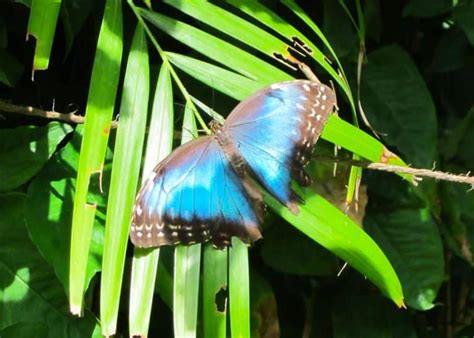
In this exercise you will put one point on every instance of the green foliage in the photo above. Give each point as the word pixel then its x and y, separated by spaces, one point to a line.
pixel 405 66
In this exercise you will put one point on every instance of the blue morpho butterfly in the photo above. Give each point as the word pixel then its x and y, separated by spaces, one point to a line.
pixel 203 190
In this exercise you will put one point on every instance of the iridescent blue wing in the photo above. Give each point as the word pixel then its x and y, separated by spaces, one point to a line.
pixel 276 129
pixel 193 195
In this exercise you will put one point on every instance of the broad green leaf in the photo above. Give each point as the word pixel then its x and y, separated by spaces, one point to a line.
pixel 50 197
pixel 339 29
pixel 264 310
pixel 29 288
pixel 427 8
pixel 145 262
pixel 25 330
pixel 73 16
pixel 24 150
pixel 369 316
pixel 124 180
pixel 463 15
pixel 99 110
pixel 42 25
pixel 289 251
pixel 450 54
pixel 399 106
pixel 459 217
pixel 404 227
pixel 10 68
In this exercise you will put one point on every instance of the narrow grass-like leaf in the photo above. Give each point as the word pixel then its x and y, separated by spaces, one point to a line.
pixel 99 110
pixel 239 290
pixel 217 49
pixel 232 25
pixel 223 80
pixel 124 180
pixel 355 140
pixel 270 19
pixel 214 293
pixel 327 225
pixel 145 262
pixel 187 264
pixel 42 25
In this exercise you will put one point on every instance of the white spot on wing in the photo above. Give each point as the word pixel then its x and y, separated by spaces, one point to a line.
pixel 306 87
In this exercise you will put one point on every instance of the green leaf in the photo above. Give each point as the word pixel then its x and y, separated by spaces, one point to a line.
pixel 239 289
pixel 232 25
pixel 459 215
pixel 399 105
pixel 145 262
pixel 29 288
pixel 328 226
pixel 287 250
pixel 427 8
pixel 50 197
pixel 186 290
pixel 10 68
pixel 339 29
pixel 125 172
pixel 187 263
pixel 368 315
pixel 24 150
pixel 215 289
pixel 42 25
pixel 99 110
pixel 223 80
pixel 404 227
pixel 462 15
pixel 25 330
pixel 263 304
pixel 73 15
pixel 217 49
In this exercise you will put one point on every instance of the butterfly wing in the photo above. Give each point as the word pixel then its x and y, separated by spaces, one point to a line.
pixel 193 195
pixel 276 129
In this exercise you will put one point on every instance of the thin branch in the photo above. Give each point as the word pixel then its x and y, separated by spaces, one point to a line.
pixel 71 117
pixel 416 172
pixel 32 111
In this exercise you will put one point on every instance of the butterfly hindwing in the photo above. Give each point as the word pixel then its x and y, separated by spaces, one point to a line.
pixel 275 131
pixel 193 196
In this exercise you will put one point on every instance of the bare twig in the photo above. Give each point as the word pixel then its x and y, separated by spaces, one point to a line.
pixel 71 117
pixel 32 111
pixel 416 172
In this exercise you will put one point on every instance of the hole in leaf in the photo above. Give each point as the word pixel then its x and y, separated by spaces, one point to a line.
pixel 221 299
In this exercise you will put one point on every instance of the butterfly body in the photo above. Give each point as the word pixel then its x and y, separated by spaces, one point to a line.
pixel 204 190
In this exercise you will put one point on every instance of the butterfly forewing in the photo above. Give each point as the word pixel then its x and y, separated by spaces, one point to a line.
pixel 275 131
pixel 193 196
